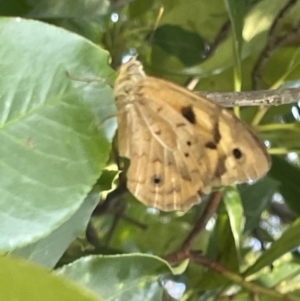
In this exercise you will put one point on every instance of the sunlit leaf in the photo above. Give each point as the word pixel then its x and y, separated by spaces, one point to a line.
pixel 52 148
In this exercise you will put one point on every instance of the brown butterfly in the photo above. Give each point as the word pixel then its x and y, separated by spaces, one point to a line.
pixel 180 144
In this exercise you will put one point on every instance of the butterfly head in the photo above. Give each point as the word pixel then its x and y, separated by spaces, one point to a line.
pixel 132 70
pixel 130 74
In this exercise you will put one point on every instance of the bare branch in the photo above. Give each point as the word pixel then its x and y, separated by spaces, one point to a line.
pixel 254 98
pixel 185 250
pixel 222 35
pixel 238 279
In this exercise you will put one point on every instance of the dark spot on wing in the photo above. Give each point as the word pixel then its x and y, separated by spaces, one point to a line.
pixel 180 124
pixel 189 143
pixel 237 153
pixel 221 168
pixel 189 114
pixel 211 145
pixel 186 155
pixel 216 133
pixel 157 180
pixel 157 132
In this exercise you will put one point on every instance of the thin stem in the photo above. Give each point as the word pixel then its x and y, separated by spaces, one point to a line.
pixel 279 151
pixel 278 126
pixel 250 286
pixel 184 251
pixel 259 116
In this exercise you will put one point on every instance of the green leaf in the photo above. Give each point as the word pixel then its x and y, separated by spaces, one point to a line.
pixel 235 212
pixel 227 252
pixel 223 242
pixel 14 7
pixel 106 179
pixel 289 177
pixel 281 275
pixel 80 9
pixel 236 11
pixel 139 7
pixel 276 113
pixel 283 66
pixel 289 240
pixel 50 249
pixel 88 18
pixel 52 148
pixel 120 277
pixel 284 136
pixel 23 281
pixel 194 17
pixel 172 229
pixel 256 198
pixel 257 23
pixel 179 42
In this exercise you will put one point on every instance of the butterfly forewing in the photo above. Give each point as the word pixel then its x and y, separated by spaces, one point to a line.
pixel 241 155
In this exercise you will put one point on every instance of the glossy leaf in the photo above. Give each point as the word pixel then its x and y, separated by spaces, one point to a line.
pixel 256 198
pixel 21 280
pixel 121 277
pixel 178 42
pixel 236 11
pixel 52 148
pixel 47 251
pixel 287 242
pixel 288 176
pixel 235 211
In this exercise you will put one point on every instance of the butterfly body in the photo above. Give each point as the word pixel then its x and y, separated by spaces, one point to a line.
pixel 180 144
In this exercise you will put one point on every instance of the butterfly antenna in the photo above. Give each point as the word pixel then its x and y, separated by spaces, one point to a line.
pixel 90 80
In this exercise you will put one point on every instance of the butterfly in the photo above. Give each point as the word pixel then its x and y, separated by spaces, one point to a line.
pixel 180 144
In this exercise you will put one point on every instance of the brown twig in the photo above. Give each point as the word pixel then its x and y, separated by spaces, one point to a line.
pixel 272 44
pixel 283 212
pixel 92 235
pixel 222 35
pixel 236 278
pixel 120 215
pixel 254 98
pixel 290 38
pixel 187 245
pixel 132 221
pixel 112 229
pixel 210 209
pixel 113 204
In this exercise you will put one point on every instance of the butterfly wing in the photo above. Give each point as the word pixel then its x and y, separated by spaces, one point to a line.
pixel 179 143
pixel 241 156
pixel 159 173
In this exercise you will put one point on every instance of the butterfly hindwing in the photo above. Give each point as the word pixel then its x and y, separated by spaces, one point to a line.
pixel 158 174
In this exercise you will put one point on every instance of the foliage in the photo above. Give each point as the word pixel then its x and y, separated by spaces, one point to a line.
pixel 56 137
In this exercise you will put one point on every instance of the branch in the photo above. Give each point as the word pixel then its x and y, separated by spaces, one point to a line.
pixel 221 36
pixel 250 286
pixel 210 209
pixel 254 98
pixel 185 250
